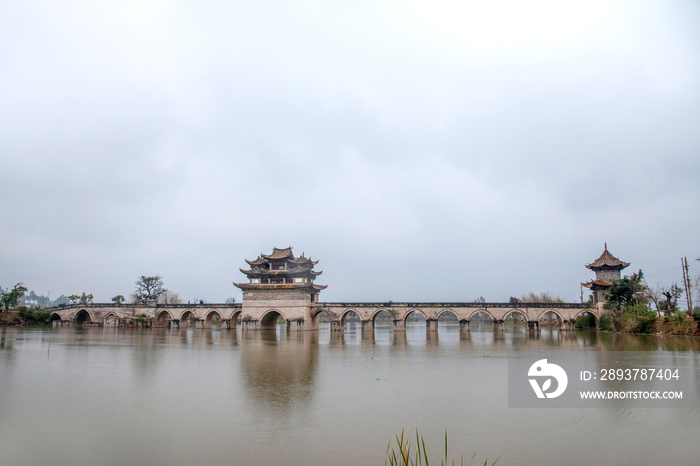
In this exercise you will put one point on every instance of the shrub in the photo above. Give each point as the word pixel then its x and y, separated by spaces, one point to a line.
pixel 606 323
pixel 585 321
pixel 33 315
pixel 638 318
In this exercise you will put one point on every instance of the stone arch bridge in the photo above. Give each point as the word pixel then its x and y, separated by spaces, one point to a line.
pixel 399 313
pixel 307 317
pixel 158 315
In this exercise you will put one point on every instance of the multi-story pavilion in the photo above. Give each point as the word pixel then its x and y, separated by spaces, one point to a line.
pixel 282 285
pixel 607 268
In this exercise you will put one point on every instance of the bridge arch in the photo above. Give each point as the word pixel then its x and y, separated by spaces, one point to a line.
pixel 345 314
pixel 270 317
pixel 110 320
pixel 212 317
pixel 376 313
pixel 411 311
pixel 481 311
pixel 446 313
pixel 188 318
pixel 560 318
pixel 512 312
pixel 55 316
pixel 316 316
pixel 162 318
pixel 234 318
pixel 81 317
pixel 587 313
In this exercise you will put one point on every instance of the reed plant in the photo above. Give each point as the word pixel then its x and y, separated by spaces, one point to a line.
pixel 410 454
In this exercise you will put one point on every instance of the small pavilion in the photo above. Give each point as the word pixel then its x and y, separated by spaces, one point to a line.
pixel 607 268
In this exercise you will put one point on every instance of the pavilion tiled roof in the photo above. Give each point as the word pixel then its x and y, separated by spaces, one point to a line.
pixel 280 286
pixel 607 260
pixel 278 253
pixel 292 271
pixel 597 282
pixel 258 261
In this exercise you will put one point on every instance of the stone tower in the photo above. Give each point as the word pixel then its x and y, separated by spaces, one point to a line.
pixel 280 284
pixel 607 268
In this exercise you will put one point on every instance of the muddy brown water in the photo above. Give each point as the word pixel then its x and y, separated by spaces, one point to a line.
pixel 110 396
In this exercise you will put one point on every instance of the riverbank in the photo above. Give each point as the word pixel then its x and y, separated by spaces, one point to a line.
pixel 24 316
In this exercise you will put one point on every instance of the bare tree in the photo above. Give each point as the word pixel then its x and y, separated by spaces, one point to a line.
pixel 671 293
pixel 545 297
pixel 654 294
pixel 149 288
pixel 169 298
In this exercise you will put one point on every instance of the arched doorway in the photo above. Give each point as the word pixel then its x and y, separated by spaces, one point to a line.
pixel 82 317
pixel 271 320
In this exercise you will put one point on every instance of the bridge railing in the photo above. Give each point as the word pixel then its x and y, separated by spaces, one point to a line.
pixel 144 305
pixel 456 304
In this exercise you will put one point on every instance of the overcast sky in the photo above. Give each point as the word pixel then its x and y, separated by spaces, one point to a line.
pixel 422 151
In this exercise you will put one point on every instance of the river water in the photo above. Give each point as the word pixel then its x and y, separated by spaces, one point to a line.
pixel 110 396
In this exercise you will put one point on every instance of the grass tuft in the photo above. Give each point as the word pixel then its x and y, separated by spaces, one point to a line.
pixel 405 453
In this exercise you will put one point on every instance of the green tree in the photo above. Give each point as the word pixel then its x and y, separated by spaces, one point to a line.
pixel 149 288
pixel 11 298
pixel 85 298
pixel 74 298
pixel 118 299
pixel 625 293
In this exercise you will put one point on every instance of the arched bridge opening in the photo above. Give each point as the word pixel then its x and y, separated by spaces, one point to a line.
pixel 271 320
pixel 213 320
pixel 82 317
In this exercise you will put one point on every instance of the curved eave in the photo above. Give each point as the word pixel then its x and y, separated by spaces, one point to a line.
pixel 607 260
pixel 299 260
pixel 257 261
pixel 280 286
pixel 267 273
pixel 597 284
pixel 616 266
